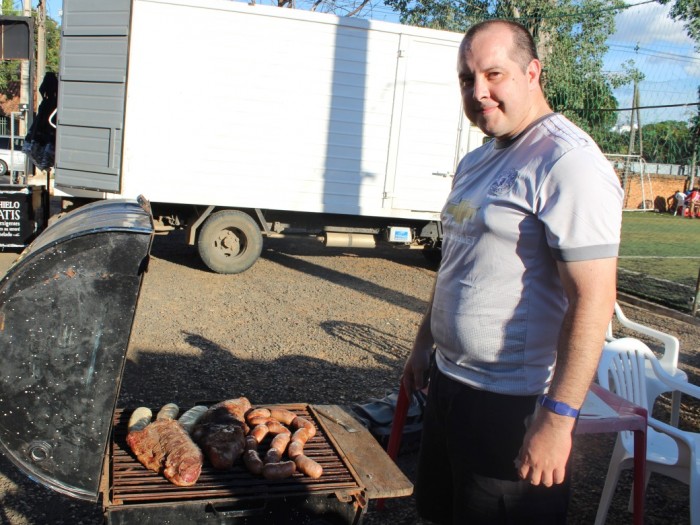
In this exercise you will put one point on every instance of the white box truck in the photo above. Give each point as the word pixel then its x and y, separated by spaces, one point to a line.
pixel 239 122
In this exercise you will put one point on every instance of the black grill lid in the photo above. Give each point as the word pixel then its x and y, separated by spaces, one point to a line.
pixel 66 310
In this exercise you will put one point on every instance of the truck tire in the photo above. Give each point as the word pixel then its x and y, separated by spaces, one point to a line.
pixel 229 242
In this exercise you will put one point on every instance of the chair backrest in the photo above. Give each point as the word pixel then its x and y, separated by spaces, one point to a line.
pixel 622 369
pixel 669 358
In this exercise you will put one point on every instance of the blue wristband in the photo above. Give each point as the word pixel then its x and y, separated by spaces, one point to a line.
pixel 557 406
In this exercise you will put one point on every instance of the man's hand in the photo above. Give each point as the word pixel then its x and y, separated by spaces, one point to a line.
pixel 416 367
pixel 590 289
pixel 546 448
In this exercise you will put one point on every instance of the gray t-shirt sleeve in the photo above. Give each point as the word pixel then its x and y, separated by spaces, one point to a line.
pixel 580 205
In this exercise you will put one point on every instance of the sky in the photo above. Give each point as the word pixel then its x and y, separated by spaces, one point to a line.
pixel 663 52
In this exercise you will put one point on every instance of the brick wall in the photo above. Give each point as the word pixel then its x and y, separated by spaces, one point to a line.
pixel 656 194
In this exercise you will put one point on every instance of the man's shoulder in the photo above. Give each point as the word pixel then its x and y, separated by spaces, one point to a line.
pixel 561 130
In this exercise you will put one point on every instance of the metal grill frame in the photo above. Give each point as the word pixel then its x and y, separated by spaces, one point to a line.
pixel 128 485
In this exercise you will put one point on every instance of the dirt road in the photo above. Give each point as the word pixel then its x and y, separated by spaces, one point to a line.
pixel 305 324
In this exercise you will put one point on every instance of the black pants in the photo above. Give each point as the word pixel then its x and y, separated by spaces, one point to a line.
pixel 466 473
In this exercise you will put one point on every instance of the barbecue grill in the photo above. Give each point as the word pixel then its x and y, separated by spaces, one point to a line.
pixel 66 310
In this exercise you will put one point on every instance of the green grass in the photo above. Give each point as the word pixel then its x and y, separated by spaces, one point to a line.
pixel 658 248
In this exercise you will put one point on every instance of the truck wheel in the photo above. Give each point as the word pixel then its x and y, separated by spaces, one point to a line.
pixel 3 167
pixel 229 242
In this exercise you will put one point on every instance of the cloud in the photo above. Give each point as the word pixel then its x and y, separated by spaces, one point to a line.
pixel 647 23
pixel 693 69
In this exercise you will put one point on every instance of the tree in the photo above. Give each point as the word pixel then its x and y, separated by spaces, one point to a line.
pixel 10 69
pixel 688 12
pixel 668 142
pixel 570 37
pixel 53 44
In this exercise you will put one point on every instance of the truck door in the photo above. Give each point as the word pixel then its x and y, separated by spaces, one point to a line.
pixel 92 81
pixel 432 133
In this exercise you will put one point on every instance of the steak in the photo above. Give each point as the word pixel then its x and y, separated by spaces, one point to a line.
pixel 163 446
pixel 221 432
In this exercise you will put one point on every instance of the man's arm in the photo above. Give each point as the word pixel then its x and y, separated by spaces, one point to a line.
pixel 590 287
pixel 419 359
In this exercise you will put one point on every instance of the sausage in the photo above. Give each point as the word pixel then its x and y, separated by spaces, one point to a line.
pixel 300 422
pixel 252 461
pixel 140 418
pixel 280 470
pixel 251 443
pixel 280 442
pixel 296 448
pixel 259 432
pixel 190 418
pixel 302 435
pixel 277 428
pixel 168 411
pixel 258 420
pixel 255 413
pixel 273 456
pixel 299 439
pixel 273 425
pixel 282 415
pixel 308 466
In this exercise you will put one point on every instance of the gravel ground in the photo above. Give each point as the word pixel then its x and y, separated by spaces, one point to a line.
pixel 315 325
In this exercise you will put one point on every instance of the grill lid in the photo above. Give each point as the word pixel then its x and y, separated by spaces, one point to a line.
pixel 66 311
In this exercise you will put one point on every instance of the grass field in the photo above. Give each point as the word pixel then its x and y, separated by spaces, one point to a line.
pixel 660 257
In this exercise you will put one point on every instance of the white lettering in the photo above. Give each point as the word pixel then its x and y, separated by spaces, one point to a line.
pixel 10 215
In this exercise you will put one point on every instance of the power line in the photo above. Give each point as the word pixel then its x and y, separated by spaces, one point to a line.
pixel 686 104
pixel 654 53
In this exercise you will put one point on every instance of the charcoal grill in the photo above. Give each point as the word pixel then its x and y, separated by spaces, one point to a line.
pixel 66 310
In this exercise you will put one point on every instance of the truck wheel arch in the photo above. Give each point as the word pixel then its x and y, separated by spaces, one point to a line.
pixel 229 241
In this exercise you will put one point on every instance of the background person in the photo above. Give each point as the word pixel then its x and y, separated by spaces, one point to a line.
pixel 692 202
pixel 531 235
pixel 680 202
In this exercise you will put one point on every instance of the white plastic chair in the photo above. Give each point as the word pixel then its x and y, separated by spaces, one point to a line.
pixel 670 451
pixel 668 361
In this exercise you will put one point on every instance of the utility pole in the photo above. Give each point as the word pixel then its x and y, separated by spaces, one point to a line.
pixel 25 88
pixel 635 96
pixel 40 49
pixel 639 118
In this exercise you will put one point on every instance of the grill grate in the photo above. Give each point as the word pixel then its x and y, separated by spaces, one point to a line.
pixel 132 483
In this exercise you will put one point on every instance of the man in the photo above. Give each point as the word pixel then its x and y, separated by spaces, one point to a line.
pixel 680 203
pixel 693 203
pixel 531 234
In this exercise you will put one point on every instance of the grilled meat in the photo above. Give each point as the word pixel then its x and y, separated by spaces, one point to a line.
pixel 165 447
pixel 221 432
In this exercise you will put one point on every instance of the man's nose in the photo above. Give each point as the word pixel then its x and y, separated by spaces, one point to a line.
pixel 480 89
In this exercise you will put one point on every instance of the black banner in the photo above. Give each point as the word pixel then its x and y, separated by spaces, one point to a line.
pixel 16 213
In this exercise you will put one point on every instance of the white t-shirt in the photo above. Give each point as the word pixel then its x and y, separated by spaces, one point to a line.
pixel 514 210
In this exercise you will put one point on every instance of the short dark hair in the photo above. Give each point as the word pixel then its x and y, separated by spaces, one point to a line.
pixel 524 49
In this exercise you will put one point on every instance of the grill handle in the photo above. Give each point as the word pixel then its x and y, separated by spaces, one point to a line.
pixel 226 511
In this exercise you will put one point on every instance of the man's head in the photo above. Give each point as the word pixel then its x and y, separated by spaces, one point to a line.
pixel 499 75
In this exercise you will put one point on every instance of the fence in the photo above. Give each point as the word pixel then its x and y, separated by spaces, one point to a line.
pixel 650 187
pixel 5 125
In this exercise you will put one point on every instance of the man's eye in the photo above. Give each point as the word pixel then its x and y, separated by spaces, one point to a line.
pixel 466 82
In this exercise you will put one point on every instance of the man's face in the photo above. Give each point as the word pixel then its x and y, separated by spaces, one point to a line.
pixel 498 96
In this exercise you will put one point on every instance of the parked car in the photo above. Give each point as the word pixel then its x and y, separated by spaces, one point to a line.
pixel 16 160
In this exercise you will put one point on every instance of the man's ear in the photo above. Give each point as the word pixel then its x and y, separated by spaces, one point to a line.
pixel 534 70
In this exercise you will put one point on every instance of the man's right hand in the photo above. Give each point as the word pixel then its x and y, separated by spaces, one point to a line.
pixel 416 368
pixel 415 371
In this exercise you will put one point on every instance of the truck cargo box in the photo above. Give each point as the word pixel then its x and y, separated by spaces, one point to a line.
pixel 233 106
